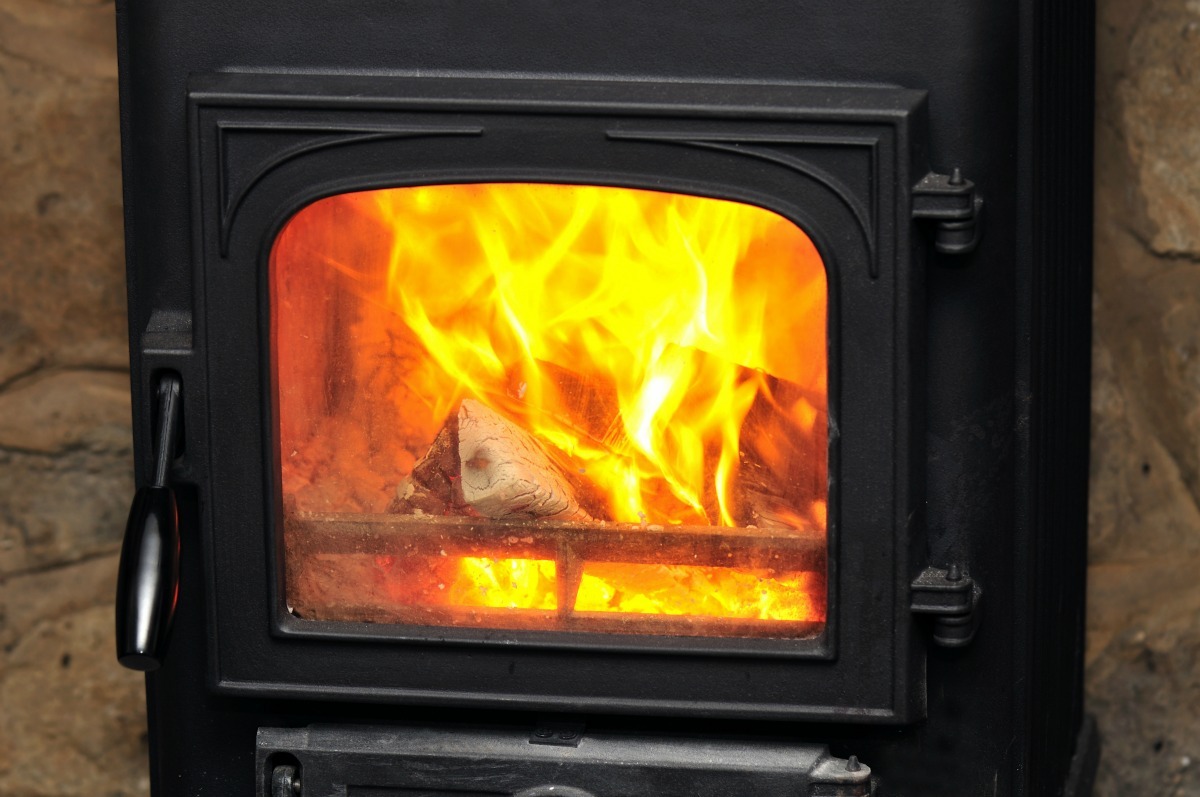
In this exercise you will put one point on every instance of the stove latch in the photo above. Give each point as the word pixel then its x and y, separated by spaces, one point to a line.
pixel 148 578
pixel 951 597
pixel 951 201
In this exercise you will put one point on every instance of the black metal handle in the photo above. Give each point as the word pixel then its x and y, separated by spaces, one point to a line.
pixel 148 579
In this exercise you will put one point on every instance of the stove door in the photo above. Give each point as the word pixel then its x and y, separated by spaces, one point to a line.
pixel 560 393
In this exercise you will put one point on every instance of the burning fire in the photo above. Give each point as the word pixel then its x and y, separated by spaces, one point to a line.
pixel 472 582
pixel 697 591
pixel 505 583
pixel 667 351
pixel 656 306
pixel 624 588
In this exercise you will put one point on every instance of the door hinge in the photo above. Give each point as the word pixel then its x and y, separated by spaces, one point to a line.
pixel 835 777
pixel 951 202
pixel 951 597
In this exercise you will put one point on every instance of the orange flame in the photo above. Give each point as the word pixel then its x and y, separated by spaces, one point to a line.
pixel 655 303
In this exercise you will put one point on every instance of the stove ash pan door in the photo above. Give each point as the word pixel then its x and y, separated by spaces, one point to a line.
pixel 565 393
pixel 359 761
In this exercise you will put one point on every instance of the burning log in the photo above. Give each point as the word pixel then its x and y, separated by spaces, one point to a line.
pixel 783 468
pixel 481 463
pixel 506 473
pixel 588 408
pixel 763 510
pixel 430 488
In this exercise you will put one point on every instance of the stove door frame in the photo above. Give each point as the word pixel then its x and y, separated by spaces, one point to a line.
pixel 838 161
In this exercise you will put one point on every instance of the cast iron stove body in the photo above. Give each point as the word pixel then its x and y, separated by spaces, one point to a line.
pixel 607 398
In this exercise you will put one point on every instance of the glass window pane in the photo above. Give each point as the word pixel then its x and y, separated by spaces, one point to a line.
pixel 553 407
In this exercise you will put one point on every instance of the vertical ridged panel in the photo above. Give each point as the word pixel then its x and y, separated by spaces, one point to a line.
pixel 1059 348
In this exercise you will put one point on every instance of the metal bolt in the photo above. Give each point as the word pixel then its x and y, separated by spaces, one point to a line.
pixel 567 736
pixel 543 733
pixel 954 573
pixel 956 178
pixel 852 765
pixel 296 785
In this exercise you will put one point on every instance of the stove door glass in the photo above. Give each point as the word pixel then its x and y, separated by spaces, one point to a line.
pixel 552 407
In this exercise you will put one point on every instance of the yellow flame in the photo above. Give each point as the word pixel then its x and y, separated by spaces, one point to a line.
pixel 697 591
pixel 656 303
pixel 505 583
pixel 633 588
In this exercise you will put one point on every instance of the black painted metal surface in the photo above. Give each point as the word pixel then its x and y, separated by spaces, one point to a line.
pixel 971 379
pixel 267 145
pixel 450 761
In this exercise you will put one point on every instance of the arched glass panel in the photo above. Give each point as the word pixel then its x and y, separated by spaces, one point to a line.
pixel 552 407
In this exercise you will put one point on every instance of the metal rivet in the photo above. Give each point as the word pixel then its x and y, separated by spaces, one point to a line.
pixel 543 733
pixel 852 765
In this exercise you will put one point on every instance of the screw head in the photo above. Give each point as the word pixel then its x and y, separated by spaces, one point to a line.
pixel 543 733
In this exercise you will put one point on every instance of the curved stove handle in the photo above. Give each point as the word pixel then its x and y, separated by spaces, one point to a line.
pixel 148 579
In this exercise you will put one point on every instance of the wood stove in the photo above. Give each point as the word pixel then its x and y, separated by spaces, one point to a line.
pixel 605 399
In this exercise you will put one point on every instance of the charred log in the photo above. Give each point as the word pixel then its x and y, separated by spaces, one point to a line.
pixel 481 463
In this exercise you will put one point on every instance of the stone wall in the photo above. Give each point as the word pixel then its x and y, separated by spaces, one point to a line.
pixel 72 722
pixel 1143 653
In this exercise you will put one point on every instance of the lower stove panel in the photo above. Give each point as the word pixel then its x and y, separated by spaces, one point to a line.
pixel 552 760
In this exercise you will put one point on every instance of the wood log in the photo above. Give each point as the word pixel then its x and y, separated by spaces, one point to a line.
pixel 771 513
pixel 481 463
pixel 593 410
pixel 506 473
pixel 429 488
pixel 783 467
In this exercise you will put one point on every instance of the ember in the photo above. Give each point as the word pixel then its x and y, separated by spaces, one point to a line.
pixel 505 583
pixel 697 591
